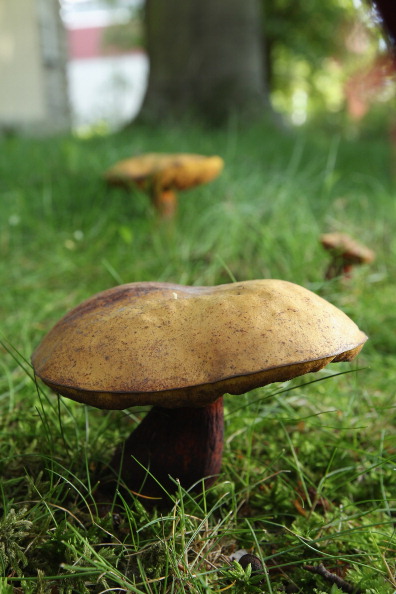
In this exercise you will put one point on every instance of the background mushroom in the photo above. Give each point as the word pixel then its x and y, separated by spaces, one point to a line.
pixel 180 349
pixel 162 175
pixel 345 253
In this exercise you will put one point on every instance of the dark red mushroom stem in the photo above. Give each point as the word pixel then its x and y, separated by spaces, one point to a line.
pixel 339 266
pixel 182 443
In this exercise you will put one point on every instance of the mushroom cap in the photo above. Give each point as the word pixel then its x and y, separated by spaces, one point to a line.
pixel 174 346
pixel 177 171
pixel 347 248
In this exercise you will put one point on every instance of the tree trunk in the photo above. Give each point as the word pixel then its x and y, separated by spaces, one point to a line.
pixel 386 9
pixel 205 59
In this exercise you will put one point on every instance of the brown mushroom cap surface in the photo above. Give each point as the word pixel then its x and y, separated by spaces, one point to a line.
pixel 177 346
pixel 347 248
pixel 177 171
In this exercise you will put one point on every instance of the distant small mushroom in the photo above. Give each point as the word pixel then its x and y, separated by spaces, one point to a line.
pixel 162 175
pixel 345 253
pixel 180 348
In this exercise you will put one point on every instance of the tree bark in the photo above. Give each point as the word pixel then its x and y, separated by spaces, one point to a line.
pixel 387 12
pixel 205 59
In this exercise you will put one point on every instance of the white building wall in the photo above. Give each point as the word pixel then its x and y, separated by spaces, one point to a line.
pixel 33 88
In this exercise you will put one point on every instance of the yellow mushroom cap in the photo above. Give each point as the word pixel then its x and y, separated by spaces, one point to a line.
pixel 171 171
pixel 175 346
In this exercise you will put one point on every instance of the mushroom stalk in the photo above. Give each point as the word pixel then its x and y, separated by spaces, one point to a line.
pixel 183 443
pixel 164 202
pixel 338 268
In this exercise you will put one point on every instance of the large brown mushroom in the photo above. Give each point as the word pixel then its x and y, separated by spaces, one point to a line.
pixel 345 252
pixel 180 348
pixel 162 175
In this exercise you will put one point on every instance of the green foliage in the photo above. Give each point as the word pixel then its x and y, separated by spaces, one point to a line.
pixel 310 53
pixel 14 529
pixel 307 30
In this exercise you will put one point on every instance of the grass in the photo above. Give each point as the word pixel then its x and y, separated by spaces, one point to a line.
pixel 309 466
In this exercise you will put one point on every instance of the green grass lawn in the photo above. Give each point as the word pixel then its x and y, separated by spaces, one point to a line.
pixel 309 471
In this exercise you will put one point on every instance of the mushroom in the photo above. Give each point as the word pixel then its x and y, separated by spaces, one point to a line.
pixel 161 175
pixel 345 253
pixel 180 349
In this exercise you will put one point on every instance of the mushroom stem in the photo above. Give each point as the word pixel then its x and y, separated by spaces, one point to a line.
pixel 181 443
pixel 339 267
pixel 164 202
